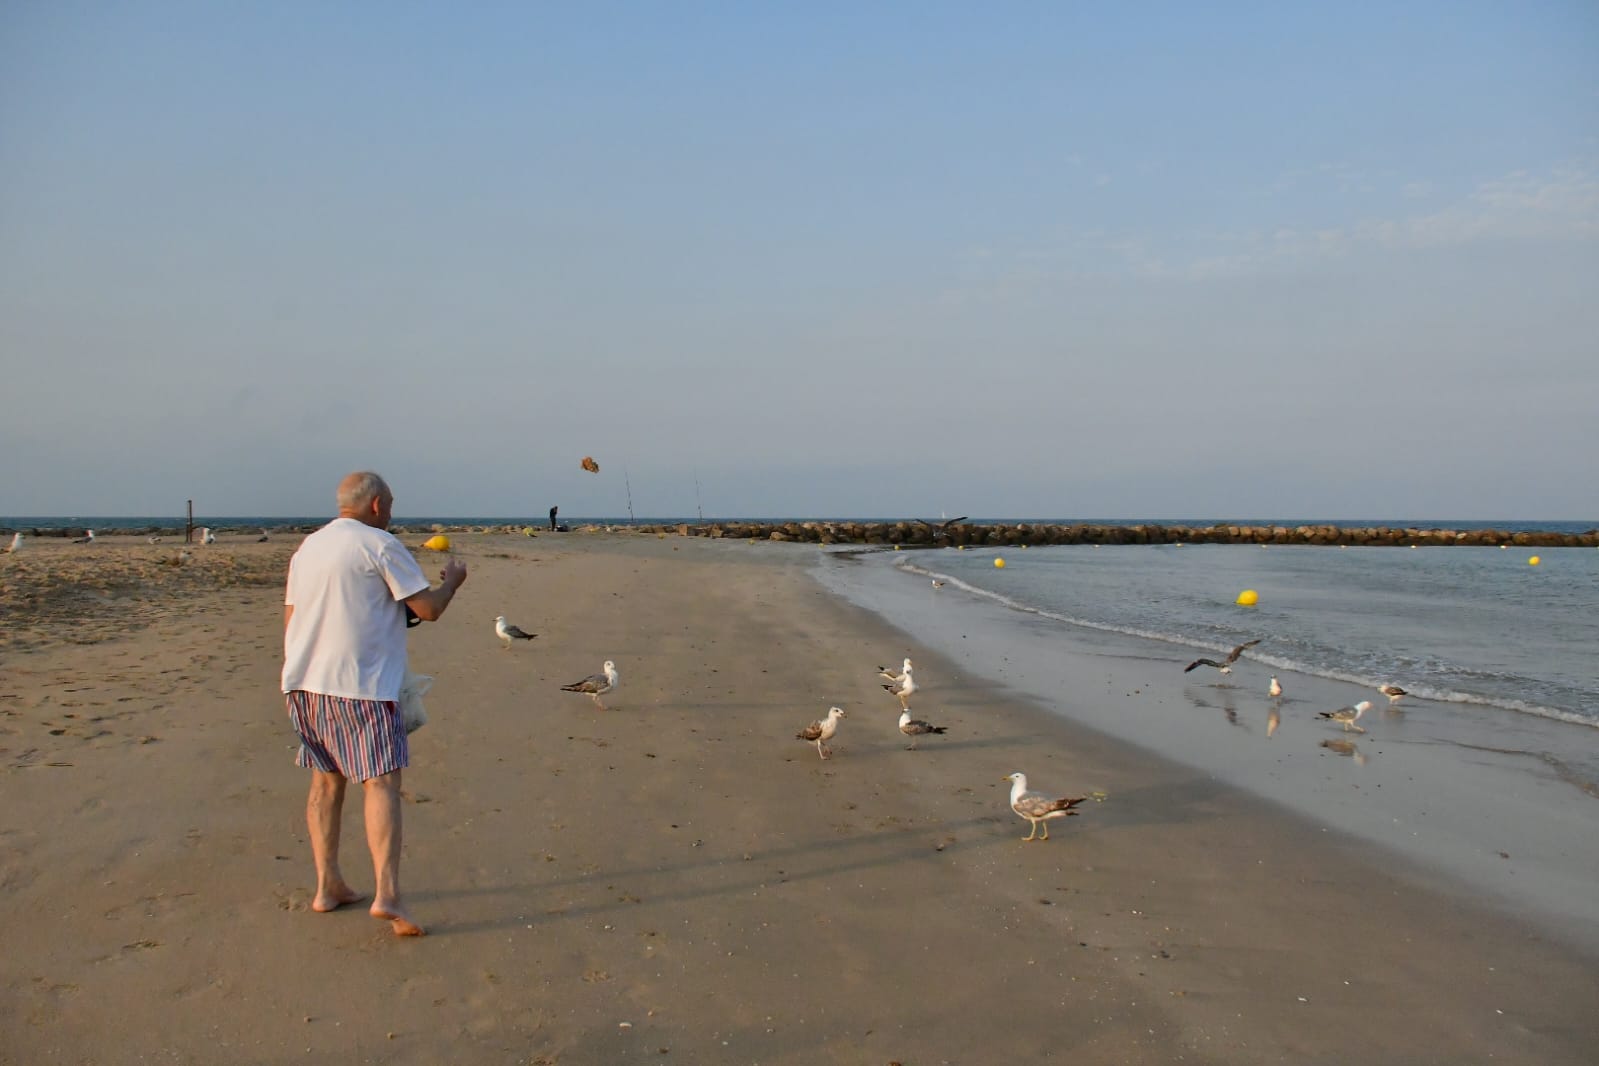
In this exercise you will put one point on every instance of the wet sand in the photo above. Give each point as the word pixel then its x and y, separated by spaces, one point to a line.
pixel 676 878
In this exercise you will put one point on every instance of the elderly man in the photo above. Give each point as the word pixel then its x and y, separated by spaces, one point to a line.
pixel 344 622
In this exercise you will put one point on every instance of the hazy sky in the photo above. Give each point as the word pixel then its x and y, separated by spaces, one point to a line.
pixel 1029 259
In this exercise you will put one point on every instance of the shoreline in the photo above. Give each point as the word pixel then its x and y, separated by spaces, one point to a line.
pixel 681 873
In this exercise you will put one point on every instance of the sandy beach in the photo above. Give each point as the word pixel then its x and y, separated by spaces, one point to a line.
pixel 677 878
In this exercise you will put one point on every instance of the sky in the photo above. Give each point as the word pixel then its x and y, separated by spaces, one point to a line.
pixel 1234 260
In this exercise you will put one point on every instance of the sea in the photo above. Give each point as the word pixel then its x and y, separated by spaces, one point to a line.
pixel 1485 777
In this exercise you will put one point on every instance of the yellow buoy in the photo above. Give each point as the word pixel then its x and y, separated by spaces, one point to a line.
pixel 439 543
pixel 1247 598
pixel 1534 561
pixel 999 564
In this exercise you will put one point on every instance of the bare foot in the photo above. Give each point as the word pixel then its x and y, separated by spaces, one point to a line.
pixel 398 920
pixel 335 897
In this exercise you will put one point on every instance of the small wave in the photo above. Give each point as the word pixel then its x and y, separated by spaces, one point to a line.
pixel 1420 692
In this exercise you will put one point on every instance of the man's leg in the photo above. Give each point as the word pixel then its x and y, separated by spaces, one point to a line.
pixel 383 837
pixel 323 813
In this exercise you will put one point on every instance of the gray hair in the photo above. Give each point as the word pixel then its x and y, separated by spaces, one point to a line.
pixel 359 489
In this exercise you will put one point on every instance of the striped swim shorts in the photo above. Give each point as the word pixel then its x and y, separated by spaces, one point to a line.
pixel 358 739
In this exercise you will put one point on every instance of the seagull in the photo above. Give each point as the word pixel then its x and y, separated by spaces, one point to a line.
pixel 890 675
pixel 903 687
pixel 1347 716
pixel 915 727
pixel 937 584
pixel 1275 689
pixel 155 540
pixel 87 538
pixel 596 685
pixel 16 542
pixel 1226 665
pixel 941 530
pixel 184 555
pixel 821 731
pixel 1393 692
pixel 508 632
pixel 206 536
pixel 1036 807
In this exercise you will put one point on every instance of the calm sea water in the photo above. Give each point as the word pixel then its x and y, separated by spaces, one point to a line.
pixel 1452 625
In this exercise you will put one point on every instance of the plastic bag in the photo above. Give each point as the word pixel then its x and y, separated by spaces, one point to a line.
pixel 412 689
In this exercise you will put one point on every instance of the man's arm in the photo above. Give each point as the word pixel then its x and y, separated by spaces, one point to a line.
pixel 288 613
pixel 429 604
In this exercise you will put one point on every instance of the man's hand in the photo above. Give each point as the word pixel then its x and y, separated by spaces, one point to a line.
pixel 454 573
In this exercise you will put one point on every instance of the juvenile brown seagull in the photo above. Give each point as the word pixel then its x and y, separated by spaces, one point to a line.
pixel 915 727
pixel 1226 665
pixel 1036 807
pixel 821 731
pixel 1347 716
pixel 1393 692
pixel 596 685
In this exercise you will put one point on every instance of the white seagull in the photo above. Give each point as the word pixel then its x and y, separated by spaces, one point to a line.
pixel 508 632
pixel 821 731
pixel 206 536
pixel 903 687
pixel 888 673
pixel 1275 689
pixel 915 727
pixel 596 685
pixel 1226 665
pixel 1347 716
pixel 1393 692
pixel 16 542
pixel 1037 807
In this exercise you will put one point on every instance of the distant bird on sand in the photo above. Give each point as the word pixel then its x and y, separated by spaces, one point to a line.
pixel 16 542
pixel 1393 692
pixel 890 674
pixel 937 584
pixel 1037 807
pixel 821 731
pixel 155 540
pixel 1275 689
pixel 1226 665
pixel 1347 716
pixel 596 685
pixel 508 632
pixel 206 536
pixel 915 727
pixel 903 687
pixel 87 538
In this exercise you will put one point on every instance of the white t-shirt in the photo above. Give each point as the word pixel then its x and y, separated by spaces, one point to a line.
pixel 347 584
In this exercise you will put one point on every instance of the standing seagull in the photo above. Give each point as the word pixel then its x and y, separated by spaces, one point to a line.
pixel 889 674
pixel 1226 665
pixel 903 687
pixel 821 731
pixel 16 542
pixel 596 685
pixel 1347 716
pixel 1036 807
pixel 508 632
pixel 1275 689
pixel 1393 692
pixel 937 584
pixel 915 727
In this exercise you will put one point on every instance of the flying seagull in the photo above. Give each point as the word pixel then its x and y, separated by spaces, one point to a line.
pixel 596 685
pixel 1036 807
pixel 1393 692
pixel 915 727
pixel 1347 716
pixel 508 632
pixel 1226 665
pixel 889 674
pixel 87 538
pixel 903 687
pixel 821 731
pixel 1275 689
pixel 941 530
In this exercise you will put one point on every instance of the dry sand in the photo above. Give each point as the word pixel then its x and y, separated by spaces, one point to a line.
pixel 676 879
